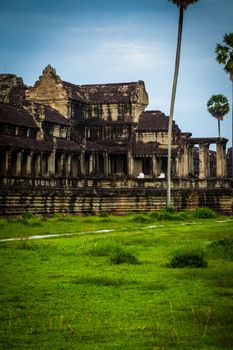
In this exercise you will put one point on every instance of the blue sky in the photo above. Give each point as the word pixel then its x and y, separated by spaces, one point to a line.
pixel 100 41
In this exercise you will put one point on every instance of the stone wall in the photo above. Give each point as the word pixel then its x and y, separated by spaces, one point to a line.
pixel 119 200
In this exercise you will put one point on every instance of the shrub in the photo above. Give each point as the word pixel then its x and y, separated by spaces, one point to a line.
pixel 104 214
pixel 123 255
pixel 221 242
pixel 141 218
pixel 102 247
pixel 170 210
pixel 27 215
pixel 221 248
pixel 188 259
pixel 117 253
pixel 204 213
pixel 154 214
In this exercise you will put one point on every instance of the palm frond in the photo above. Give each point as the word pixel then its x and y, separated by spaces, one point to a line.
pixel 218 106
pixel 183 3
pixel 228 40
pixel 224 53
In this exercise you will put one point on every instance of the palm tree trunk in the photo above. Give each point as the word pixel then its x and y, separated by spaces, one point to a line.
pixel 232 131
pixel 218 127
pixel 172 104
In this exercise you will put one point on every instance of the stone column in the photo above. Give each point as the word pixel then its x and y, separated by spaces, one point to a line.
pixel 29 163
pixel 51 163
pixel 6 162
pixel 106 164
pixel 90 164
pixel 185 160
pixel 220 160
pixel 155 168
pixel 37 164
pixel 177 164
pixel 60 164
pixel 82 163
pixel 190 156
pixel 130 164
pixel 204 167
pixel 68 165
pixel 18 163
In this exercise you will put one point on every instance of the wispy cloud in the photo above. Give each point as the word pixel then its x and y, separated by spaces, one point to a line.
pixel 138 54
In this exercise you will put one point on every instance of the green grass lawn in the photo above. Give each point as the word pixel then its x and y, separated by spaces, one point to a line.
pixel 68 292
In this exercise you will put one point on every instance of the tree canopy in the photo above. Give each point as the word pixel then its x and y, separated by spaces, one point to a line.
pixel 218 106
pixel 183 4
pixel 224 53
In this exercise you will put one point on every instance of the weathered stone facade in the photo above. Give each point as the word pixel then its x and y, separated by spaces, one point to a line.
pixel 80 148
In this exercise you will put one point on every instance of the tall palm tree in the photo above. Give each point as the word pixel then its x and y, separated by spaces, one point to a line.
pixel 218 106
pixel 224 55
pixel 182 5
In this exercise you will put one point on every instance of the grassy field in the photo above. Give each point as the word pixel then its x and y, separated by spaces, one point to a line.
pixel 118 288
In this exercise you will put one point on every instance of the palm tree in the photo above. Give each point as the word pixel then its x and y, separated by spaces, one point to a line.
pixel 224 55
pixel 218 106
pixel 182 5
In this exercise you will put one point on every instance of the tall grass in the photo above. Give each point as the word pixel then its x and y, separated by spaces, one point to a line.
pixel 115 250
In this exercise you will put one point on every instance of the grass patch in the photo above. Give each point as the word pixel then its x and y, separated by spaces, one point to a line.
pixel 188 258
pixel 115 250
pixel 221 248
pixel 204 213
pixel 64 293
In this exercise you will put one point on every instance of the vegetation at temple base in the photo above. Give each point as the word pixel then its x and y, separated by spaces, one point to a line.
pixel 159 280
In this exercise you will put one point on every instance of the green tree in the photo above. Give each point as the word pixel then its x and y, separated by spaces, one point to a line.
pixel 182 5
pixel 218 106
pixel 224 55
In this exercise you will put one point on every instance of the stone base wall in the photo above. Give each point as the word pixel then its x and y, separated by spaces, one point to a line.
pixel 117 201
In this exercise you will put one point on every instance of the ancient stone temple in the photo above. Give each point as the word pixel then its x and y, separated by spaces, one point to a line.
pixel 80 149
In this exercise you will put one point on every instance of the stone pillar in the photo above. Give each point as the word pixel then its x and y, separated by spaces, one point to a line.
pixel 29 163
pixel 18 163
pixel 190 156
pixel 97 165
pixel 220 160
pixel 51 163
pixel 68 165
pixel 155 167
pixel 177 164
pixel 204 168
pixel 130 164
pixel 37 164
pixel 60 164
pixel 106 164
pixel 6 162
pixel 82 163
pixel 185 160
pixel 90 164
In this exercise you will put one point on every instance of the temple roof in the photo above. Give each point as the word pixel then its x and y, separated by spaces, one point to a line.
pixel 32 144
pixel 68 145
pixel 206 140
pixel 154 121
pixel 103 93
pixel 54 117
pixel 16 115
pixel 145 148
pixel 25 143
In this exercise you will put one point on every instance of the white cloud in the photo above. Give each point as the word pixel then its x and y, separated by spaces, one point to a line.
pixel 136 54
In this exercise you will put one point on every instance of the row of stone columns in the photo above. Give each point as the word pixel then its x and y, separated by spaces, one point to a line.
pixel 186 163
pixel 35 163
pixel 67 164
